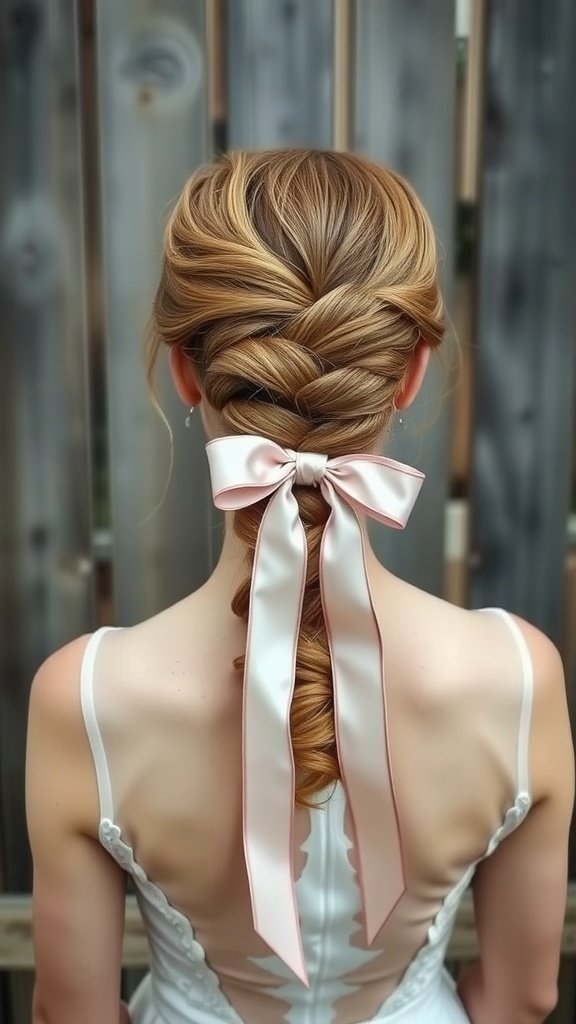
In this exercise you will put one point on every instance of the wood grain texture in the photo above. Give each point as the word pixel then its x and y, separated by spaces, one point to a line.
pixel 403 116
pixel 280 75
pixel 154 133
pixel 46 582
pixel 525 373
pixel 44 422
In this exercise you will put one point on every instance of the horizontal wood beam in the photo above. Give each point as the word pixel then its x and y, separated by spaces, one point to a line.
pixel 16 933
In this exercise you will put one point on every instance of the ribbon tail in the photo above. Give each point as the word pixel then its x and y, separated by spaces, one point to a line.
pixel 360 713
pixel 276 597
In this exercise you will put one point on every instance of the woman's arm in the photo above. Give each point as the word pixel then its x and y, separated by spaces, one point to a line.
pixel 520 892
pixel 78 889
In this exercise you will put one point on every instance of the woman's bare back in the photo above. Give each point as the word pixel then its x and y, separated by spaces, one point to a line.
pixel 169 706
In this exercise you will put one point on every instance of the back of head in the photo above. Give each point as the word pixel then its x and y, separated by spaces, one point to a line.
pixel 299 283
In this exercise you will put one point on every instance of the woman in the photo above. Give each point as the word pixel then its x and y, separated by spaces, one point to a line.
pixel 300 835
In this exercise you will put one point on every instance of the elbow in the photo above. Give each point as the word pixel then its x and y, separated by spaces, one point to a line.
pixel 41 1012
pixel 542 1004
pixel 535 1007
pixel 522 1005
pixel 39 1015
pixel 50 1010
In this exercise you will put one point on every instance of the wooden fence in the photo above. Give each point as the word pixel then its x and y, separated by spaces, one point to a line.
pixel 105 108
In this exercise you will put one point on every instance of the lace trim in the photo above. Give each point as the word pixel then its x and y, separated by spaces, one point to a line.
pixel 512 819
pixel 200 983
pixel 429 959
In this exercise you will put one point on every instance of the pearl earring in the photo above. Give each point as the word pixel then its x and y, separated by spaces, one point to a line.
pixel 188 420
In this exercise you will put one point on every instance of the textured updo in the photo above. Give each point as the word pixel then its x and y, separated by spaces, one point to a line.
pixel 299 283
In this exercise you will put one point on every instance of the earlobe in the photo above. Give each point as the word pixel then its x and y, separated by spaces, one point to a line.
pixel 184 377
pixel 414 375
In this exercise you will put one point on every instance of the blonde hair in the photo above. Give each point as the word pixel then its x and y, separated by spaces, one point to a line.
pixel 299 283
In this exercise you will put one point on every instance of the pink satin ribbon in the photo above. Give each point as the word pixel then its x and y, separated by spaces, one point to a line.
pixel 245 469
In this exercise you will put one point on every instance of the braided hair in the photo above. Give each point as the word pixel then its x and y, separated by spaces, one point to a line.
pixel 299 284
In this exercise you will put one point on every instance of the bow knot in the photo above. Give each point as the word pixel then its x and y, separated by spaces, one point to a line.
pixel 245 469
pixel 310 468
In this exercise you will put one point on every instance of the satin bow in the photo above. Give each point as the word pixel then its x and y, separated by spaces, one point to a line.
pixel 245 469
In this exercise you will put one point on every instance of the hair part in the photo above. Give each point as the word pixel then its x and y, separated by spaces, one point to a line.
pixel 299 282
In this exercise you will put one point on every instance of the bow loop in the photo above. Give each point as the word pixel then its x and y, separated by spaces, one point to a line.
pixel 376 486
pixel 244 469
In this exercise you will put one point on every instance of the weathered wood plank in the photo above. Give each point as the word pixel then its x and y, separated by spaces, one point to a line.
pixel 525 369
pixel 525 372
pixel 405 75
pixel 279 73
pixel 46 581
pixel 16 937
pixel 342 77
pixel 46 590
pixel 154 132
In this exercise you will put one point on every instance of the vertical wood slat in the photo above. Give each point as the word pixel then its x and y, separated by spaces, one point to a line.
pixel 526 334
pixel 470 123
pixel 154 131
pixel 404 108
pixel 46 579
pixel 280 73
pixel 341 86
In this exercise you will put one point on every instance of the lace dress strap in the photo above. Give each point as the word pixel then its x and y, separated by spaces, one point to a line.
pixel 91 723
pixel 527 671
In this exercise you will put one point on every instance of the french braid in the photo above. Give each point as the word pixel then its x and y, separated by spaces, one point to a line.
pixel 299 283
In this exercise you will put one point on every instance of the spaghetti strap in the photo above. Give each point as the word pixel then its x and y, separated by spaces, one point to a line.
pixel 91 723
pixel 523 761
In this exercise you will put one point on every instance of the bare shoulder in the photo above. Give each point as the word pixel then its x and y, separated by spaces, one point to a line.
pixel 474 648
pixel 485 627
pixel 496 659
pixel 552 750
pixel 54 696
pixel 449 636
pixel 185 653
pixel 544 664
pixel 58 760
pixel 548 670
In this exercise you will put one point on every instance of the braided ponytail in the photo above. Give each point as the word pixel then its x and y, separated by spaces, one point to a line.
pixel 299 283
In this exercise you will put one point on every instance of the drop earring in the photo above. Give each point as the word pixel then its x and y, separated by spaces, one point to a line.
pixel 188 420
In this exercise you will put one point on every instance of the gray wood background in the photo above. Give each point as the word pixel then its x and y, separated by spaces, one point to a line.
pixel 525 361
pixel 525 373
pixel 151 68
pixel 404 114
pixel 46 570
pixel 280 71
pixel 108 107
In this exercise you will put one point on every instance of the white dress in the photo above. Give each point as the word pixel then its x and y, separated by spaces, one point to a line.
pixel 185 986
